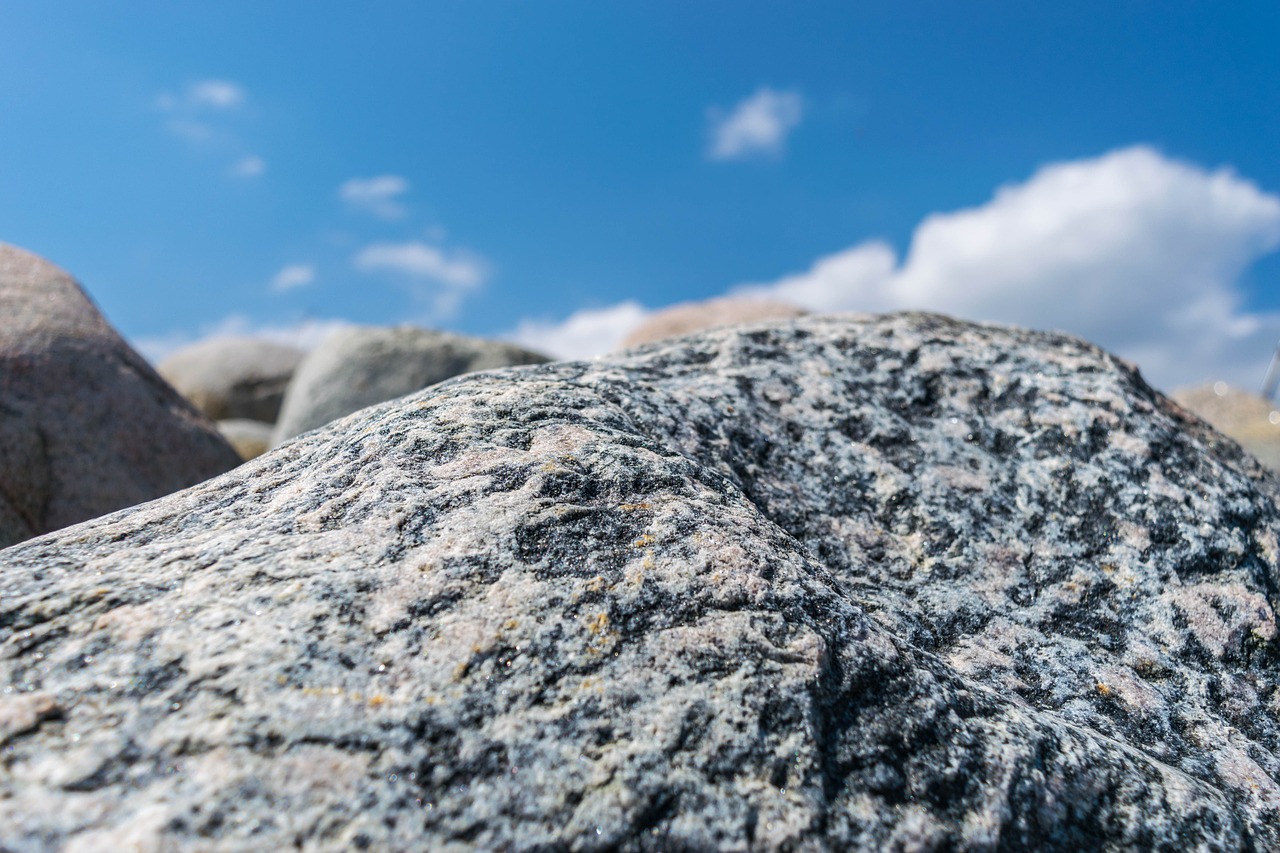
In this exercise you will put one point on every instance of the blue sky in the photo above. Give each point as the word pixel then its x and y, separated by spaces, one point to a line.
pixel 554 171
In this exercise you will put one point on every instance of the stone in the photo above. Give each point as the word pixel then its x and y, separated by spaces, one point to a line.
pixel 871 583
pixel 688 317
pixel 359 366
pixel 251 439
pixel 1241 416
pixel 86 426
pixel 233 378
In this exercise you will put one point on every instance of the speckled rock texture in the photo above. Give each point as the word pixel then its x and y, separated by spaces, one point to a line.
pixel 86 426
pixel 251 439
pixel 688 317
pixel 359 366
pixel 233 378
pixel 896 583
pixel 1239 415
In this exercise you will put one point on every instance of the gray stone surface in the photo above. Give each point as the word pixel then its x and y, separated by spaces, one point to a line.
pixel 1238 414
pixel 688 317
pixel 894 583
pixel 86 426
pixel 233 378
pixel 251 439
pixel 363 365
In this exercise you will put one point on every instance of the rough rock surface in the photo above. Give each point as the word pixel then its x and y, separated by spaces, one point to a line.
pixel 1245 417
pixel 86 426
pixel 251 439
pixel 363 365
pixel 233 377
pixel 687 317
pixel 895 583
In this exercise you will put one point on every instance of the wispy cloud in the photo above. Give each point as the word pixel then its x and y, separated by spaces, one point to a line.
pixel 757 126
pixel 202 114
pixel 377 195
pixel 437 276
pixel 250 166
pixel 292 277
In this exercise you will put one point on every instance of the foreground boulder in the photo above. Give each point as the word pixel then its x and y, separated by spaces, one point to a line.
pixel 363 365
pixel 86 426
pixel 893 583
pixel 233 378
pixel 1245 417
pixel 688 317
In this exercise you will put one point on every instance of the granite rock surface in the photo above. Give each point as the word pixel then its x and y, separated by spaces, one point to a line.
pixel 896 583
pixel 363 365
pixel 1238 414
pixel 233 378
pixel 86 426
pixel 688 317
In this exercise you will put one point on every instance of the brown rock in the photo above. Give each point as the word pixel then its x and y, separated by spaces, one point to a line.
pixel 86 426
pixel 688 317
pixel 251 439
pixel 1247 418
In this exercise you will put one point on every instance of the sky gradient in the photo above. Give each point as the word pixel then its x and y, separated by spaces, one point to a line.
pixel 553 172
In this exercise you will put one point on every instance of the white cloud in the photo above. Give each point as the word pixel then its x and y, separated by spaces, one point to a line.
pixel 293 277
pixel 218 94
pixel 583 334
pixel 434 275
pixel 305 335
pixel 249 167
pixel 759 125
pixel 1132 250
pixel 375 195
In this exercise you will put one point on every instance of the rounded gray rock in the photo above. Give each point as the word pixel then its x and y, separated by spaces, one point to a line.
pixel 359 366
pixel 233 378
pixel 86 426
pixel 896 583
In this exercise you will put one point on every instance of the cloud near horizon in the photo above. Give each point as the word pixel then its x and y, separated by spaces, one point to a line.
pixel 757 126
pixel 1133 250
pixel 292 277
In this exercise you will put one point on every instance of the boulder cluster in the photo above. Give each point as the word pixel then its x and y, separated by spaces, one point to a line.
pixel 847 582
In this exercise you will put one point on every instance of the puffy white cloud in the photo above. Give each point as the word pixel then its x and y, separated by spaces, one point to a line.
pixel 375 195
pixel 1133 250
pixel 758 125
pixel 304 334
pixel 250 166
pixel 292 277
pixel 584 334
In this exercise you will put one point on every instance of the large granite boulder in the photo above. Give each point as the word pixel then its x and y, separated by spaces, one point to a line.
pixel 688 317
pixel 86 426
pixel 233 378
pixel 896 583
pixel 1245 417
pixel 359 366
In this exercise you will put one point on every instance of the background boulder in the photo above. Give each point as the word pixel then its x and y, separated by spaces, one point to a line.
pixel 251 439
pixel 876 583
pixel 86 425
pixel 1239 415
pixel 688 317
pixel 362 365
pixel 233 378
